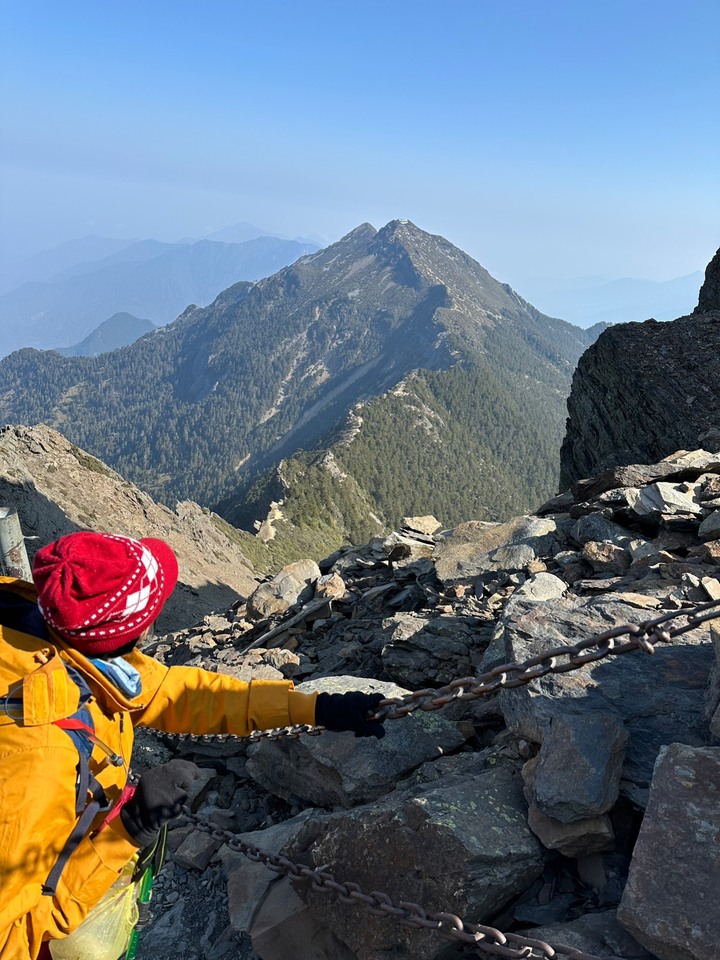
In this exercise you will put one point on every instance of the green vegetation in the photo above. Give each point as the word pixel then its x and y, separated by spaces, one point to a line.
pixel 207 407
pixel 459 444
pixel 89 462
pixel 321 510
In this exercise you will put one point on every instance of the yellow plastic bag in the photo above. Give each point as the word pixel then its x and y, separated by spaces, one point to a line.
pixel 104 933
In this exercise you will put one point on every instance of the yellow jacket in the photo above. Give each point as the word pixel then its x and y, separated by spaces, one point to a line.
pixel 38 766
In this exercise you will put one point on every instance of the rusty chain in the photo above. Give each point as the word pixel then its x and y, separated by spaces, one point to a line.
pixel 643 636
pixel 488 940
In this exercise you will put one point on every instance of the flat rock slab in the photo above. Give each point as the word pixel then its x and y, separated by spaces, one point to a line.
pixel 284 927
pixel 671 902
pixel 247 881
pixel 659 698
pixel 476 547
pixel 339 769
pixel 461 844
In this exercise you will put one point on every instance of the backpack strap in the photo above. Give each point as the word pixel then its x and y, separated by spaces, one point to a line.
pixel 90 799
pixel 21 613
pixel 97 804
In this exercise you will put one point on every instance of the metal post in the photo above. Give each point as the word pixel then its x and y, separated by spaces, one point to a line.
pixel 13 555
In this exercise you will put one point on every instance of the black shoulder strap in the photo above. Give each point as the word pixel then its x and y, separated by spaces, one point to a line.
pixel 23 615
pixel 90 797
pixel 19 613
pixel 97 804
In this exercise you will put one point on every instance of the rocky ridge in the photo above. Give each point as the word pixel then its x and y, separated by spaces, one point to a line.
pixel 643 390
pixel 545 810
pixel 57 488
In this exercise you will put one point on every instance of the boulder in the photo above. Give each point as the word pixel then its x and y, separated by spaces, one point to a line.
pixel 578 773
pixel 577 839
pixel 294 584
pixel 540 587
pixel 670 903
pixel 331 585
pixel 712 694
pixel 594 527
pixel 428 649
pixel 339 769
pixel 399 547
pixel 460 844
pixel 606 557
pixel 475 548
pixel 659 699
pixel 285 927
pixel 427 525
pixel 665 498
pixel 196 851
pixel 597 934
pixel 247 881
pixel 710 527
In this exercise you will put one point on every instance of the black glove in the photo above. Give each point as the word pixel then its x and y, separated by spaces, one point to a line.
pixel 349 711
pixel 159 797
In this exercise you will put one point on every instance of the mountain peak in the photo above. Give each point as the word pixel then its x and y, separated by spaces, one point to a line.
pixel 364 230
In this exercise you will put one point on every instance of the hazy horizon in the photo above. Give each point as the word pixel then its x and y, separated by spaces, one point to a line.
pixel 547 141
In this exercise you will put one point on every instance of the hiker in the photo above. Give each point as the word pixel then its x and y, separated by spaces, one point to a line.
pixel 73 685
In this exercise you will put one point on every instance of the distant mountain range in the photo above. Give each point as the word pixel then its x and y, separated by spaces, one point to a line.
pixel 74 256
pixel 591 300
pixel 50 264
pixel 148 279
pixel 390 369
pixel 120 330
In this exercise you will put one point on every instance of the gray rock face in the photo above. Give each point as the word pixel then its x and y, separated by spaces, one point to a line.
pixel 655 697
pixel 709 298
pixel 643 390
pixel 678 920
pixel 339 769
pixel 475 548
pixel 463 843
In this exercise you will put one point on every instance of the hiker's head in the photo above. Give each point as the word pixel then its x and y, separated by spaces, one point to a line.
pixel 100 592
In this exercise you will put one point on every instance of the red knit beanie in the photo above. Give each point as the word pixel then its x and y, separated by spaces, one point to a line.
pixel 99 591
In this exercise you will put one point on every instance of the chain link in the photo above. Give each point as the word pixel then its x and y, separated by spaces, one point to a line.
pixel 643 636
pixel 487 940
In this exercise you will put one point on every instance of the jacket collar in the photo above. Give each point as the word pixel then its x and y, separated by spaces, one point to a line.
pixel 106 693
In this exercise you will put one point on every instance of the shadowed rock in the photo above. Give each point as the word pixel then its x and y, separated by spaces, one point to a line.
pixel 461 845
pixel 678 920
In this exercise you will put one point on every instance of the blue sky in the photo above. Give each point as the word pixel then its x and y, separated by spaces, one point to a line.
pixel 549 138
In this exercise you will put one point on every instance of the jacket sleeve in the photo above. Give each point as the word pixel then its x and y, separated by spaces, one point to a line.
pixel 37 814
pixel 191 700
